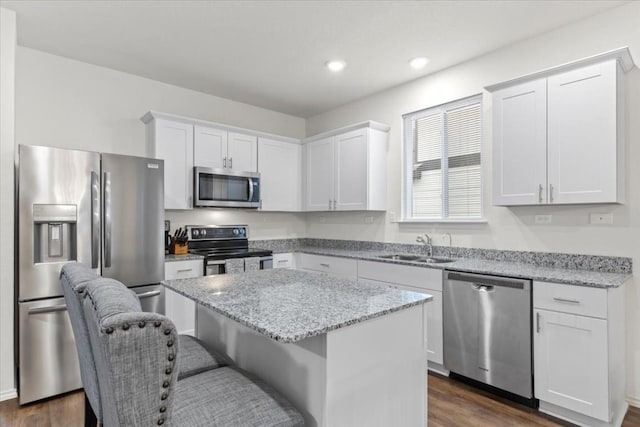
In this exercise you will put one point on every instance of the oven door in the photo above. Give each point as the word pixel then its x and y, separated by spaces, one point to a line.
pixel 226 188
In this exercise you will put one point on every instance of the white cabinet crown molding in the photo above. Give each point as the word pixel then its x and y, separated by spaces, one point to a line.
pixel 367 124
pixel 622 55
pixel 152 114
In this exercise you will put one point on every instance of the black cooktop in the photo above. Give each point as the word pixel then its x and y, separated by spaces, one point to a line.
pixel 227 253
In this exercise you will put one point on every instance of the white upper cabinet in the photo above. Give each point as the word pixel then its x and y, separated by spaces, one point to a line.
pixel 217 148
pixel 347 169
pixel 520 144
pixel 280 167
pixel 172 141
pixel 556 134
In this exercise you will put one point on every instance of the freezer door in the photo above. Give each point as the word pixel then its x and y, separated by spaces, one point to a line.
pixel 58 216
pixel 48 361
pixel 133 219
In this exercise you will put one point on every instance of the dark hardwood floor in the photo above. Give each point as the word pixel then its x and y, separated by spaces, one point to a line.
pixel 451 403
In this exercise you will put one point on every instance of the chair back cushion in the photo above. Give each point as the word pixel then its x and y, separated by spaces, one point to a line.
pixel 74 278
pixel 135 354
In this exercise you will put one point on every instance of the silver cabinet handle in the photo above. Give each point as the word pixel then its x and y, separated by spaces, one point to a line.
pixel 538 323
pixel 550 193
pixel 224 162
pixel 324 265
pixel 283 260
pixel 334 204
pixel 107 219
pixel 567 300
pixel 50 309
pixel 185 270
pixel 540 193
pixel 95 220
pixel 230 162
pixel 148 294
pixel 329 204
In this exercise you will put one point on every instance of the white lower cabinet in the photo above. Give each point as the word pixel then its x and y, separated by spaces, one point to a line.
pixel 328 264
pixel 578 342
pixel 416 279
pixel 180 309
pixel 283 261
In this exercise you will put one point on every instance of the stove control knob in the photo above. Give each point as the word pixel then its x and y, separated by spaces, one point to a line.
pixel 236 231
pixel 203 232
pixel 195 232
pixel 242 231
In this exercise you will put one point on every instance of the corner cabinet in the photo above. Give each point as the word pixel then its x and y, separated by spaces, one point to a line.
pixel 346 169
pixel 579 351
pixel 557 137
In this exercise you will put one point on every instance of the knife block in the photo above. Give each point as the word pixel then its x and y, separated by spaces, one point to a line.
pixel 178 249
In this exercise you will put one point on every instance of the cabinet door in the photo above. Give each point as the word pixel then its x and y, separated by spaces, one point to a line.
pixel 570 357
pixel 174 144
pixel 242 152
pixel 180 309
pixel 582 135
pixel 434 323
pixel 319 177
pixel 350 165
pixel 520 144
pixel 210 147
pixel 279 164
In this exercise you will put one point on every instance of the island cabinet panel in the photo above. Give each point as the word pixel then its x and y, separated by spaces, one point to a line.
pixel 579 346
pixel 557 139
pixel 280 167
pixel 180 309
pixel 328 264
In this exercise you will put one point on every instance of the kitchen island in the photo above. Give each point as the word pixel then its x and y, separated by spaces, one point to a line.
pixel 344 353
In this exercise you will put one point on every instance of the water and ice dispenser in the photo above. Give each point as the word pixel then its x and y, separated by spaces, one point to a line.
pixel 54 233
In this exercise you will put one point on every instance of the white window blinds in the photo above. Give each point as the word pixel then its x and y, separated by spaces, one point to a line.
pixel 443 146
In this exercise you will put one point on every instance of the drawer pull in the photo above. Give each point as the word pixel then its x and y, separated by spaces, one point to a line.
pixel 324 265
pixel 570 301
pixel 283 260
pixel 185 270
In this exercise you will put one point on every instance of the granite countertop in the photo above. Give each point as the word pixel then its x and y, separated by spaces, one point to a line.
pixel 499 268
pixel 184 257
pixel 289 305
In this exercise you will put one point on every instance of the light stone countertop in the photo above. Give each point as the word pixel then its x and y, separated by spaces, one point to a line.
pixel 289 305
pixel 183 257
pixel 595 279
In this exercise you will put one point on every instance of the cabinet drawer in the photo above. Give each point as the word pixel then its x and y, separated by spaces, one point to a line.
pixel 423 278
pixel 580 300
pixel 183 269
pixel 328 264
pixel 283 260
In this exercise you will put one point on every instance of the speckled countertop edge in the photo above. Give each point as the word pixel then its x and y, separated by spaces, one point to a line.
pixel 200 289
pixel 183 257
pixel 499 268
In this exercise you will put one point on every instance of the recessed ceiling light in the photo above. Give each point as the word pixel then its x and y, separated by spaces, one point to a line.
pixel 419 62
pixel 336 65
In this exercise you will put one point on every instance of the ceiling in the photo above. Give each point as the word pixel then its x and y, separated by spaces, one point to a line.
pixel 272 53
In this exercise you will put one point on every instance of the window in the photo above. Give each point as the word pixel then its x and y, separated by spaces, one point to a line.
pixel 442 162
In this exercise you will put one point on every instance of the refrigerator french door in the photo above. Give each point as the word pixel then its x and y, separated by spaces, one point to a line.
pixel 103 210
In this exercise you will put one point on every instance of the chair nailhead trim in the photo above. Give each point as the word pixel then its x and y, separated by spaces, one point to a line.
pixel 163 409
pixel 167 331
pixel 169 343
pixel 157 323
pixel 125 326
pixel 164 396
pixel 165 384
pixel 171 357
pixel 167 371
pixel 161 421
pixel 109 330
pixel 141 324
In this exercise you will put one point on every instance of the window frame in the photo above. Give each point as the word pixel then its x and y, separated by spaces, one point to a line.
pixel 408 145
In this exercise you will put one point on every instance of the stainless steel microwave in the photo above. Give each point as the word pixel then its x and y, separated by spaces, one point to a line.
pixel 225 188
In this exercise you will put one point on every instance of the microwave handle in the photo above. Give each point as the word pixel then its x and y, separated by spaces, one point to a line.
pixel 250 189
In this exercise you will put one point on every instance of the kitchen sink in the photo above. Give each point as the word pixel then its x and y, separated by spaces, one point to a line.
pixel 417 258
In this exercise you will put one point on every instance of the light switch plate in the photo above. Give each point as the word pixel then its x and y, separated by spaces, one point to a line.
pixel 601 218
pixel 543 219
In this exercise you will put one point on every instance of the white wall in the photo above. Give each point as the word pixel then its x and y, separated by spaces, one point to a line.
pixel 512 228
pixel 7 134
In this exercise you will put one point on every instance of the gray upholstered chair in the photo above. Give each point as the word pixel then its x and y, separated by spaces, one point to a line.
pixel 136 354
pixel 74 278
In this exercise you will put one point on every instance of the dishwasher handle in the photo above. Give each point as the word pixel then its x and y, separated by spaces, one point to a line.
pixel 488 281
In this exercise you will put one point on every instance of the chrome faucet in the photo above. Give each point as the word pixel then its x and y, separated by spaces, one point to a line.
pixel 426 240
pixel 449 236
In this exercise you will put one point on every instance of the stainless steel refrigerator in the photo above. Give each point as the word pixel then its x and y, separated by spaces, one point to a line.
pixel 102 210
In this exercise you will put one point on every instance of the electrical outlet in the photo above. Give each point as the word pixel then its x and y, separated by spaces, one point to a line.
pixel 543 219
pixel 368 220
pixel 601 218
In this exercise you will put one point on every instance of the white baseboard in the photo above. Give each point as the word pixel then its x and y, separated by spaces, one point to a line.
pixel 8 394
pixel 633 401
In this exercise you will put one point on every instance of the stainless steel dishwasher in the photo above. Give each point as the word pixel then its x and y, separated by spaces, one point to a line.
pixel 487 331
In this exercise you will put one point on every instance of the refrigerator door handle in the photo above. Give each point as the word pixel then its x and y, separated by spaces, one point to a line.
pixel 107 219
pixel 95 220
pixel 50 309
